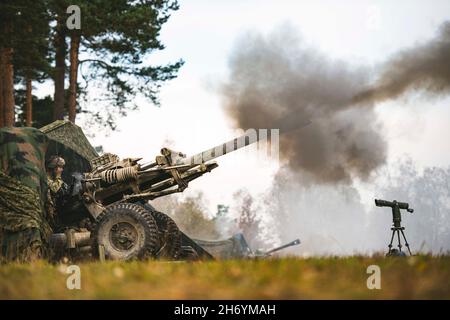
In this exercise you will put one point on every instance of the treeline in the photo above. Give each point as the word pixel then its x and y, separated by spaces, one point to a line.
pixel 43 40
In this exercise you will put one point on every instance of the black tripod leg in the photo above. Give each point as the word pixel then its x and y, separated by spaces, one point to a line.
pixel 406 243
pixel 399 243
pixel 392 240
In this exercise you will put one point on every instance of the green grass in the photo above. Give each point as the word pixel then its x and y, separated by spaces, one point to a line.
pixel 420 277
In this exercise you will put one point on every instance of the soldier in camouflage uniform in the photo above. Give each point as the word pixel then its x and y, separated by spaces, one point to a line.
pixel 58 190
pixel 23 192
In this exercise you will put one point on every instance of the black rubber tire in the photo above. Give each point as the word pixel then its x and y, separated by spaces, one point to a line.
pixel 136 222
pixel 170 235
pixel 189 253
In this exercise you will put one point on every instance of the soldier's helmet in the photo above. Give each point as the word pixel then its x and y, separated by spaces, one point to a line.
pixel 56 161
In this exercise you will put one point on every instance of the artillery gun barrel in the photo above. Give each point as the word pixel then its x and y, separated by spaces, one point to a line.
pixel 290 244
pixel 250 137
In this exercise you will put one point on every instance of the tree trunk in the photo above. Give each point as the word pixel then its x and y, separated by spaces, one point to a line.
pixel 8 88
pixel 74 46
pixel 60 70
pixel 2 104
pixel 29 102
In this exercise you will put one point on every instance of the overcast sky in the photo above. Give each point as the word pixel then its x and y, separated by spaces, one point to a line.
pixel 203 33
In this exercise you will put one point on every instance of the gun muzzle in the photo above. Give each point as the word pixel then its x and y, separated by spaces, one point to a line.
pixel 290 244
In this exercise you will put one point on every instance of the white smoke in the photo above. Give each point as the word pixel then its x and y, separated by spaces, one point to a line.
pixel 336 220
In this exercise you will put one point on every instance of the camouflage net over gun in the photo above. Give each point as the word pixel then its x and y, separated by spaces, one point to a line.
pixel 23 190
pixel 25 230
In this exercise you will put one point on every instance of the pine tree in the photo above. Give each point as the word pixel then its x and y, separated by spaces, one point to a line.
pixel 31 51
pixel 57 10
pixel 118 37
pixel 9 10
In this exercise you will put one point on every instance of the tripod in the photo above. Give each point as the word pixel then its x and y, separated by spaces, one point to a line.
pixel 398 230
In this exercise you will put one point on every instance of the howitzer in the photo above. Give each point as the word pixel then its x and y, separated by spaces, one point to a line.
pixel 115 193
pixel 108 210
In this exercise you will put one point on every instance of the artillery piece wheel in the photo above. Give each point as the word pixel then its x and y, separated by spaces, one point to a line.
pixel 126 231
pixel 170 236
pixel 170 242
pixel 189 253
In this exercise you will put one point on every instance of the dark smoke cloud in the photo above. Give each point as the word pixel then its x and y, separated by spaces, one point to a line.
pixel 425 67
pixel 278 77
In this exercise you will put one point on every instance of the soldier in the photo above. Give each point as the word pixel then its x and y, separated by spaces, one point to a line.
pixel 58 190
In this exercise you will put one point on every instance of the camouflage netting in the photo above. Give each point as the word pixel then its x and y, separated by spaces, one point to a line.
pixel 71 136
pixel 25 231
pixel 23 188
pixel 22 154
pixel 68 141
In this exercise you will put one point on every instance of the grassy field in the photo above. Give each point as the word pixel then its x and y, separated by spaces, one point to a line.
pixel 420 277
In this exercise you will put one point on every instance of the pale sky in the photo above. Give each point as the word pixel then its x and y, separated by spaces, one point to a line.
pixel 203 33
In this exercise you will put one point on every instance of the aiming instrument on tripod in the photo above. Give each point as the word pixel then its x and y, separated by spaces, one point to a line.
pixel 397 228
